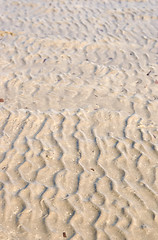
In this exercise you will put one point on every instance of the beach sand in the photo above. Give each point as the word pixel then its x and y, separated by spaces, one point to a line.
pixel 78 120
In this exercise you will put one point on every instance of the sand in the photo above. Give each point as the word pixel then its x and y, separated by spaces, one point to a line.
pixel 78 120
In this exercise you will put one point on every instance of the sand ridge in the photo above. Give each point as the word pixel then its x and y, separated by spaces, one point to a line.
pixel 78 173
pixel 78 120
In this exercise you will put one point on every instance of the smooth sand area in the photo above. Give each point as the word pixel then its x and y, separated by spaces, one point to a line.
pixel 79 120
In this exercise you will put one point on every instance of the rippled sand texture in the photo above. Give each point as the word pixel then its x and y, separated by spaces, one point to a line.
pixel 78 120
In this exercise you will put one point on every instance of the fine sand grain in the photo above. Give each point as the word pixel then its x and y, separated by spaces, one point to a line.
pixel 78 120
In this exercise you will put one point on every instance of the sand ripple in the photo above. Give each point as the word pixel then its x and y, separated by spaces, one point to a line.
pixel 78 120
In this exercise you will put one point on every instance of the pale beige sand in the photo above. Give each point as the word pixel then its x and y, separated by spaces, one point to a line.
pixel 79 122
